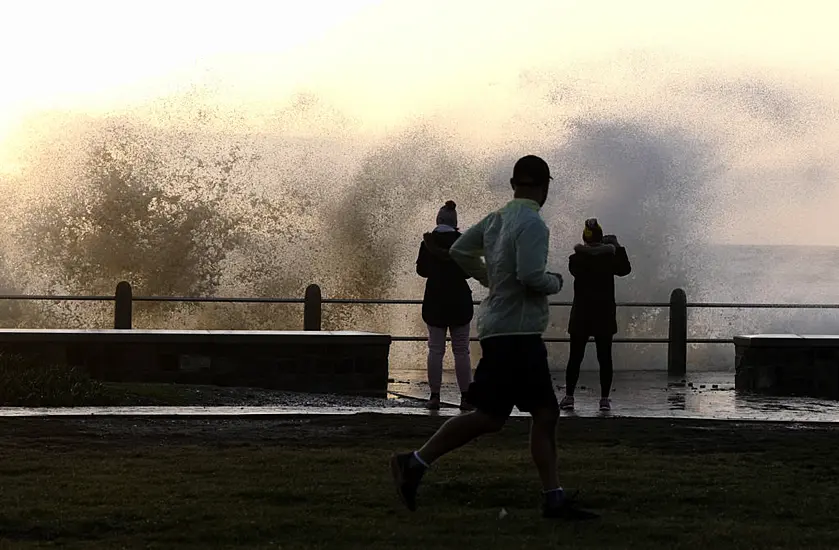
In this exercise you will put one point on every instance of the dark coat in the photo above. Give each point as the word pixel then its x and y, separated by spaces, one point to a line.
pixel 594 269
pixel 448 299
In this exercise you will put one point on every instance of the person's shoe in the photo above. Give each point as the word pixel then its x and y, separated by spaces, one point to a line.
pixel 565 508
pixel 465 405
pixel 407 474
pixel 605 404
pixel 567 403
pixel 569 511
pixel 433 403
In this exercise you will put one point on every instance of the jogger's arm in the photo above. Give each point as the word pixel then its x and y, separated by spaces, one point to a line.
pixel 532 259
pixel 468 252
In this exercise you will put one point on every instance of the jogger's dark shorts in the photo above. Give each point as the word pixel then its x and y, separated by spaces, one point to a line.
pixel 513 372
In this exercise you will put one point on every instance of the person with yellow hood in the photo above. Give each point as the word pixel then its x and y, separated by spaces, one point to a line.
pixel 594 265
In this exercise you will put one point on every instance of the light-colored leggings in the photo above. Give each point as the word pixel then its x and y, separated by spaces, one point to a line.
pixel 437 350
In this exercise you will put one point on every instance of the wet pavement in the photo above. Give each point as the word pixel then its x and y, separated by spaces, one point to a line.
pixel 643 394
pixel 652 394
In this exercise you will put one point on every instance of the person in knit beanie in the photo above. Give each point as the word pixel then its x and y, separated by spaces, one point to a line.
pixel 447 216
pixel 594 265
pixel 446 305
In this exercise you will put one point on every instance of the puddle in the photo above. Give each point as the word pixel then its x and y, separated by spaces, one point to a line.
pixel 700 395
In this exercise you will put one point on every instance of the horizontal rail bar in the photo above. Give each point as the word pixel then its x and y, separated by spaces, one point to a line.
pixel 551 339
pixel 55 298
pixel 723 305
pixel 217 299
pixel 238 300
pixel 373 301
pixel 619 304
pixel 718 305
pixel 382 301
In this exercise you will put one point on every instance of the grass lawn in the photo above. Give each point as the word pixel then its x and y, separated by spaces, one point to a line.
pixel 323 482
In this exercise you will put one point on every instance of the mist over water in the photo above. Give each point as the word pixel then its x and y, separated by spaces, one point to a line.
pixel 188 196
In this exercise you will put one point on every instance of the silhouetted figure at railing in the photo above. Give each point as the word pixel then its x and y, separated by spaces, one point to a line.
pixel 507 252
pixel 594 265
pixel 446 305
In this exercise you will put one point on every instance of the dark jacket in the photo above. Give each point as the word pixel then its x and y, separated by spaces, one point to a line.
pixel 594 269
pixel 448 299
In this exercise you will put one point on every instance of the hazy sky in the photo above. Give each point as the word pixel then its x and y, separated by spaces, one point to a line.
pixel 378 59
pixel 384 62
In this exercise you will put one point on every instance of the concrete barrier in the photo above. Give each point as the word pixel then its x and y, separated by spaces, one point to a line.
pixel 788 364
pixel 308 361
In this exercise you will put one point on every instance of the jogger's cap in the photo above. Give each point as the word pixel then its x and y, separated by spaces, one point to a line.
pixel 531 170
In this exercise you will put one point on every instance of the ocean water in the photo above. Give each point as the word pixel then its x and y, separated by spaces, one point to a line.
pixel 785 274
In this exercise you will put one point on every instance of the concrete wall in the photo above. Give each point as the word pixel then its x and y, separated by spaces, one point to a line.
pixel 319 362
pixel 788 365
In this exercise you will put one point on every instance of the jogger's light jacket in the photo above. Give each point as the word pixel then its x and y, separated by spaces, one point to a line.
pixel 507 252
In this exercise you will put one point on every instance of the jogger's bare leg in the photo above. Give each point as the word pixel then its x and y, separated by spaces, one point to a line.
pixel 543 446
pixel 457 432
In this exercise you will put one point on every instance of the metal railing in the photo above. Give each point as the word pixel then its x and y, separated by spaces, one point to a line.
pixel 677 338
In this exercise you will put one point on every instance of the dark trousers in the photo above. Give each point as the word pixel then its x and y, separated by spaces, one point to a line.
pixel 603 343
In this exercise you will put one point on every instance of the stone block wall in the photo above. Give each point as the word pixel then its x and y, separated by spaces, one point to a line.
pixel 315 362
pixel 788 369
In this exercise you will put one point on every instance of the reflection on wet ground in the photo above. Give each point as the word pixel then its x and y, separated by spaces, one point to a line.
pixel 707 395
pixel 653 394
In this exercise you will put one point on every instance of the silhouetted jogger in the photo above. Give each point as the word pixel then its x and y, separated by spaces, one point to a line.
pixel 507 252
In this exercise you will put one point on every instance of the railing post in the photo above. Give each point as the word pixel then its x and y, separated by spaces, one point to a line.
pixel 122 306
pixel 677 347
pixel 312 311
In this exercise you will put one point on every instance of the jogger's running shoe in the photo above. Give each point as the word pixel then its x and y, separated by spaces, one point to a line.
pixel 407 474
pixel 567 403
pixel 605 404
pixel 566 509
